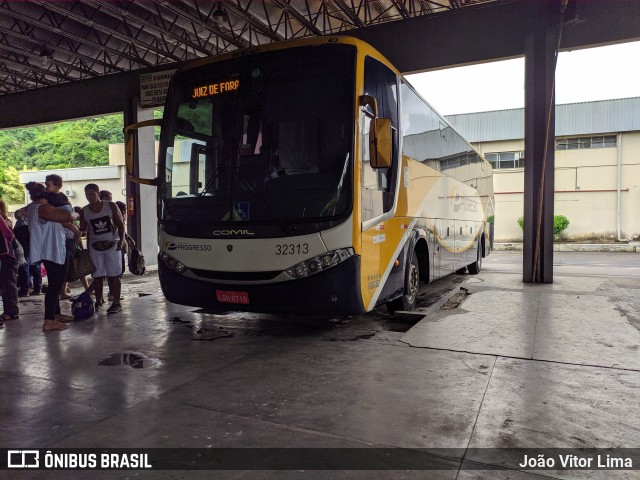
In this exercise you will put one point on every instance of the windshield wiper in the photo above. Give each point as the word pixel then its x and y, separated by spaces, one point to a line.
pixel 210 182
pixel 333 203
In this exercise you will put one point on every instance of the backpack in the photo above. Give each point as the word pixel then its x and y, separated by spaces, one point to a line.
pixel 136 262
pixel 83 306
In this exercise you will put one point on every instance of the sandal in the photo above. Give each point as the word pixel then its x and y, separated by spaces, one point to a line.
pixel 5 316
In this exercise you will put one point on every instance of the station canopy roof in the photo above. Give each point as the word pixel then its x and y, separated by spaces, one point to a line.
pixel 45 43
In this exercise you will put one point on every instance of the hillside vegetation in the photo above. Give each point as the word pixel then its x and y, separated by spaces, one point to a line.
pixel 78 143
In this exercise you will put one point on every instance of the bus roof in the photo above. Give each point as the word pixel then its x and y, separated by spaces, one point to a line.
pixel 300 42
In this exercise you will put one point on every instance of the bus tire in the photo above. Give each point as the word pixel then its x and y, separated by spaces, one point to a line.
pixel 476 266
pixel 412 281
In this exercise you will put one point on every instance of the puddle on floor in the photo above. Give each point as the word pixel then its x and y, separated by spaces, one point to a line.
pixel 400 325
pixel 130 359
pixel 350 337
pixel 210 334
pixel 180 321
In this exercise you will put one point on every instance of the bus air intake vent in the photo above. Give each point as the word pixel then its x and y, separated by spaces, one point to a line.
pixel 239 276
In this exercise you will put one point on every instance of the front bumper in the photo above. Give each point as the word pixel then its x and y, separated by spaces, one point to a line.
pixel 332 292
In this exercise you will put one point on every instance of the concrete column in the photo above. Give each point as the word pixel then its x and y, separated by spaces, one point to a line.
pixel 539 143
pixel 143 224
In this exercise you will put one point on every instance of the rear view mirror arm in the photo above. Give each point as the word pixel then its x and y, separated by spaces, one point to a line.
pixel 130 148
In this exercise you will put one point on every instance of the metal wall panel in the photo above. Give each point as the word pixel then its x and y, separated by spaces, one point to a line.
pixel 606 116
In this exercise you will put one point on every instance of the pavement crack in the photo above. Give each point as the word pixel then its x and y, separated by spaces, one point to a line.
pixel 475 422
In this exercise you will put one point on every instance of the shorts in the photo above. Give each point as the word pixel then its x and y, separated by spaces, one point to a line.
pixel 108 263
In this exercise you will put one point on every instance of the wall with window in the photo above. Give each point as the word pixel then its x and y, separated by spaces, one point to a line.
pixel 588 142
pixel 586 177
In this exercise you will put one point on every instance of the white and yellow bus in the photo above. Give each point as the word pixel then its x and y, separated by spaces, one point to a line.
pixel 309 176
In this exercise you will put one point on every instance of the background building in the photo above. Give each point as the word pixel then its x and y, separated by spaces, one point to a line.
pixel 597 167
pixel 111 177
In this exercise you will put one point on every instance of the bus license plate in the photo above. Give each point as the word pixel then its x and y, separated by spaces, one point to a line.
pixel 229 296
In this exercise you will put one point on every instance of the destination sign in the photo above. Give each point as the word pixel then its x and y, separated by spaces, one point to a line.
pixel 215 89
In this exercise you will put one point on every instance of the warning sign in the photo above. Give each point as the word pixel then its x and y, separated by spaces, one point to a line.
pixel 153 88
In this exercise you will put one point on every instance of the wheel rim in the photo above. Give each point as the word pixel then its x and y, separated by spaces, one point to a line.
pixel 414 279
pixel 479 257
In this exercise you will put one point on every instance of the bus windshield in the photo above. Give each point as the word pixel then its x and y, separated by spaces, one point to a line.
pixel 260 139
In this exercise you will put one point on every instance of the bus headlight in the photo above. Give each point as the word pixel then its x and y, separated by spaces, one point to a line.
pixel 319 263
pixel 172 263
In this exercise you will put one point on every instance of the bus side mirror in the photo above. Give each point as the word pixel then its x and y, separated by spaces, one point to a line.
pixel 130 148
pixel 380 143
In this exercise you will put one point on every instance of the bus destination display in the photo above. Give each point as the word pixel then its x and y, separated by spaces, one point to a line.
pixel 215 89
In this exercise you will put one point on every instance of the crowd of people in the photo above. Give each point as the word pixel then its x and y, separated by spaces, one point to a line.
pixel 44 238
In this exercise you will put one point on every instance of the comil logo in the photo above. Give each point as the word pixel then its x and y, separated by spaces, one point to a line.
pixel 230 233
pixel 23 459
pixel 170 246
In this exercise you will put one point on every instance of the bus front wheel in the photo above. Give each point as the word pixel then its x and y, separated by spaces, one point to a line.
pixel 412 283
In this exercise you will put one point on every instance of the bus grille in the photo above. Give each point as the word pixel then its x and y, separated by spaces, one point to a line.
pixel 248 276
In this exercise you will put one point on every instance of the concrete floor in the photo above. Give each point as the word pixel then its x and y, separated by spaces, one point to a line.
pixel 501 364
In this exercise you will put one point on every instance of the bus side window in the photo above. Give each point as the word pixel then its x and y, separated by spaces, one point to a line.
pixel 378 185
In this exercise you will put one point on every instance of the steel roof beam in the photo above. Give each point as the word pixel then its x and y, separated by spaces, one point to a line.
pixel 287 7
pixel 190 37
pixel 162 30
pixel 383 12
pixel 422 8
pixel 34 68
pixel 190 16
pixel 400 7
pixel 63 65
pixel 348 12
pixel 63 33
pixel 239 12
pixel 59 47
pixel 36 81
pixel 127 39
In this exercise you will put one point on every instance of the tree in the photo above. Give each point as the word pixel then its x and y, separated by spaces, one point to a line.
pixel 78 143
pixel 11 190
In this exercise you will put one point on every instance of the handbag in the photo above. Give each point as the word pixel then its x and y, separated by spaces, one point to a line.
pixel 18 252
pixel 136 262
pixel 80 265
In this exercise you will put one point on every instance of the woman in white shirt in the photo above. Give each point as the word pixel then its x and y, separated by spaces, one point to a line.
pixel 48 245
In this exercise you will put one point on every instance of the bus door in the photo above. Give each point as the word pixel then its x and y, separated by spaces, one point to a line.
pixel 378 185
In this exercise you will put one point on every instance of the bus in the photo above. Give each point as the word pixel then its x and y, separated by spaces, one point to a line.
pixel 309 176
